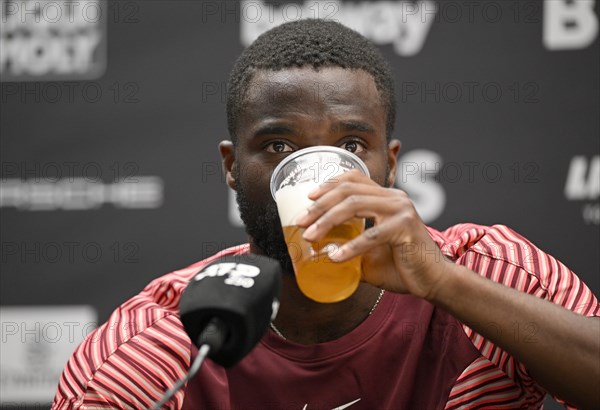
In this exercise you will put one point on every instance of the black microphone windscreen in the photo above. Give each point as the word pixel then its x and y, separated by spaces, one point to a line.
pixel 241 291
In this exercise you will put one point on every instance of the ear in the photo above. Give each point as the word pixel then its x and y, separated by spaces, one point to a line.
pixel 227 151
pixel 394 147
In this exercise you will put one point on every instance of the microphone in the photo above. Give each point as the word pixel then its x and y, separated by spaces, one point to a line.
pixel 225 309
pixel 228 305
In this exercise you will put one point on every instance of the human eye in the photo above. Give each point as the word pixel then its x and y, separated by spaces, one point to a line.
pixel 354 146
pixel 278 147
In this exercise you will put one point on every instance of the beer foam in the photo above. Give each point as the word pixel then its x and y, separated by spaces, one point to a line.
pixel 292 201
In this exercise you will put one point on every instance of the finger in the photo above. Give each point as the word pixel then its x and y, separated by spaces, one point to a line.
pixel 376 236
pixel 335 196
pixel 354 206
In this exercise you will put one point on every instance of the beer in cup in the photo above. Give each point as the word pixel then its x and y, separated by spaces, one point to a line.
pixel 318 277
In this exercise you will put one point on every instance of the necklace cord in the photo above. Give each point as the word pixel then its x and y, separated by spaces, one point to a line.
pixel 278 333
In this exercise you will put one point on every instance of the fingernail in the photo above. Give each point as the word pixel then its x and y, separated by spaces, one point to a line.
pixel 310 232
pixel 337 254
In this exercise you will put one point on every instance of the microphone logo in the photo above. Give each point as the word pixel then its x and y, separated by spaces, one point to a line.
pixel 238 274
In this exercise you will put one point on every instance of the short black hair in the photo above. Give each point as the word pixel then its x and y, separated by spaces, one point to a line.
pixel 312 42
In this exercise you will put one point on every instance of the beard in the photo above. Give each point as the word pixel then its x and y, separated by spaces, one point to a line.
pixel 261 220
pixel 262 224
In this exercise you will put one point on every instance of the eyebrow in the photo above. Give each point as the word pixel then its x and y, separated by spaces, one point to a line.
pixel 342 126
pixel 273 129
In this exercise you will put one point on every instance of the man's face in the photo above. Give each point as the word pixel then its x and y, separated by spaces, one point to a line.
pixel 297 108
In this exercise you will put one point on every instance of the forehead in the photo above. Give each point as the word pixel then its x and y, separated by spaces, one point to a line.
pixel 327 91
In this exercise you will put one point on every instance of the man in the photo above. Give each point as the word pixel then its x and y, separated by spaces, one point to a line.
pixel 427 329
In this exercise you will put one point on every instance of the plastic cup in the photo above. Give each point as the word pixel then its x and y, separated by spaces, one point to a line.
pixel 318 277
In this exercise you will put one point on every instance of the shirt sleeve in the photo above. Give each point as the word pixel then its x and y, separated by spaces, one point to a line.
pixel 502 255
pixel 506 257
pixel 128 363
pixel 138 354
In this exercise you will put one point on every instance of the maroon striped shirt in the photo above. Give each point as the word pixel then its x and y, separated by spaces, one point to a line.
pixel 142 350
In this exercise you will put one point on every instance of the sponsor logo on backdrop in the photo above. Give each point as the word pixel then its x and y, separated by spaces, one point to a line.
pixel 404 24
pixel 417 174
pixel 36 343
pixel 583 186
pixel 569 24
pixel 78 194
pixel 76 185
pixel 52 40
pixel 232 209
